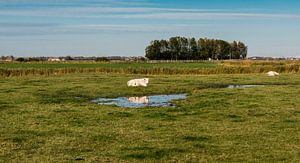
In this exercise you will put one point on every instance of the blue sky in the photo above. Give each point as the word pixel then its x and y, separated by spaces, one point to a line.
pixel 125 27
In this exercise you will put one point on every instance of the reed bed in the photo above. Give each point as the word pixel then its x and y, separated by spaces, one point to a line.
pixel 259 62
pixel 231 67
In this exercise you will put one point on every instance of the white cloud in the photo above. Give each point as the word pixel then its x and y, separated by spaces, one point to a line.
pixel 27 29
pixel 95 11
pixel 137 27
pixel 201 16
pixel 142 13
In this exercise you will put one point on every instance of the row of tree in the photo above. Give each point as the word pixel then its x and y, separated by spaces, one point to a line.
pixel 181 48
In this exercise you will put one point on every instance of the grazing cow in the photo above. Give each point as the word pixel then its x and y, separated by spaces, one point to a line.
pixel 272 73
pixel 139 100
pixel 138 82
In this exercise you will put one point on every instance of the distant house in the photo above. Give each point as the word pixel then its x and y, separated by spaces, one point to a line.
pixel 256 58
pixel 272 58
pixel 7 58
pixel 293 59
pixel 55 59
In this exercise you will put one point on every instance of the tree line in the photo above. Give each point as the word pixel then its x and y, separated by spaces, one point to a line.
pixel 181 48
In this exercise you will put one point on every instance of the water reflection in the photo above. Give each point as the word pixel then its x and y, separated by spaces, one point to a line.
pixel 231 86
pixel 139 102
pixel 244 86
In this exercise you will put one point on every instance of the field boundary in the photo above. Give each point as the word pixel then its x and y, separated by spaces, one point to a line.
pixel 8 72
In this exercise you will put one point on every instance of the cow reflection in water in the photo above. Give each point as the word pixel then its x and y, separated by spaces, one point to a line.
pixel 139 100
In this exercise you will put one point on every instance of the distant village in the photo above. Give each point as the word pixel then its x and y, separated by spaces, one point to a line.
pixel 11 58
pixel 271 58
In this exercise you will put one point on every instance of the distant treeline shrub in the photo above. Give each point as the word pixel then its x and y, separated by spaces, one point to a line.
pixel 102 59
pixel 30 59
pixel 181 48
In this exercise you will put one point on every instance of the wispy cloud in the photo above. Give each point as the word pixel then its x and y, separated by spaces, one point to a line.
pixel 28 29
pixel 71 3
pixel 142 13
pixel 147 17
pixel 137 27
pixel 205 16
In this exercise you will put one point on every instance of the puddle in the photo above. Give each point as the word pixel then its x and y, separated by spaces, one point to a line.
pixel 140 102
pixel 244 86
pixel 160 100
pixel 231 86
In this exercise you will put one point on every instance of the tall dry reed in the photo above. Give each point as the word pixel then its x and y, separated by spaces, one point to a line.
pixel 226 68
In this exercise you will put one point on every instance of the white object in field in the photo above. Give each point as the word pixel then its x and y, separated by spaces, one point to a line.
pixel 138 82
pixel 272 73
pixel 139 100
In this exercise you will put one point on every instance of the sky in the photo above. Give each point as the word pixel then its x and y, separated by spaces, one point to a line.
pixel 30 28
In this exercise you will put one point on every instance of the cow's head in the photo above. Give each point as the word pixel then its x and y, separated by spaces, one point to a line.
pixel 146 80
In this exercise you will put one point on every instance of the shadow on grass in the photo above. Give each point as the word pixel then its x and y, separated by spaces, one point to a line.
pixel 59 97
pixel 141 153
pixel 121 114
pixel 235 118
pixel 162 116
pixel 196 138
pixel 24 136
pixel 104 138
pixel 4 106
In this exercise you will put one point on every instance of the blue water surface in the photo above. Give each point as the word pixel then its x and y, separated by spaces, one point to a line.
pixel 140 102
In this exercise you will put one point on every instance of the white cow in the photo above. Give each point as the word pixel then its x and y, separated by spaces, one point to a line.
pixel 138 82
pixel 272 73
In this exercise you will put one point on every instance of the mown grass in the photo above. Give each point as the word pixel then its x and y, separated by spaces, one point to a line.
pixel 51 119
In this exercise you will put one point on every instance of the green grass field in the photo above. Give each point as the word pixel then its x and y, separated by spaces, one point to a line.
pixel 51 119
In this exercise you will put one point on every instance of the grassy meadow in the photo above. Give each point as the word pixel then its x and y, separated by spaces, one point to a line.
pixel 46 113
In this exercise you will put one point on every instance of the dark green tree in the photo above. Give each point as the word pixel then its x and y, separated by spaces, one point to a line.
pixel 153 50
pixel 202 49
pixel 164 50
pixel 243 50
pixel 175 48
pixel 184 48
pixel 234 51
pixel 223 49
pixel 193 49
pixel 21 59
pixel 189 48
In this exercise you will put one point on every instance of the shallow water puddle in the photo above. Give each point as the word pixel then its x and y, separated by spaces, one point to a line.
pixel 140 102
pixel 244 86
pixel 232 86
pixel 158 100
